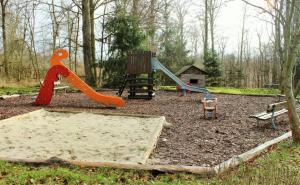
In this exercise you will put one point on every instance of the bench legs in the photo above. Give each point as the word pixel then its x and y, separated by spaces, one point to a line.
pixel 273 120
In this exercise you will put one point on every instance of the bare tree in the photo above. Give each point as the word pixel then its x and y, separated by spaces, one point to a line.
pixel 152 28
pixel 242 49
pixel 222 47
pixel 206 22
pixel 288 17
pixel 213 11
pixel 32 44
pixel 135 7
pixel 194 39
pixel 87 41
pixel 181 7
pixel 3 4
pixel 56 19
pixel 76 41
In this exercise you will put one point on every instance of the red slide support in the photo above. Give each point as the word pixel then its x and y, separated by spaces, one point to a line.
pixel 46 91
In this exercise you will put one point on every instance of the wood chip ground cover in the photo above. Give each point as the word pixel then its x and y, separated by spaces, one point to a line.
pixel 192 140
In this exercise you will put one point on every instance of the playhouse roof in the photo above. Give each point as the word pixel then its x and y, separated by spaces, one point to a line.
pixel 185 68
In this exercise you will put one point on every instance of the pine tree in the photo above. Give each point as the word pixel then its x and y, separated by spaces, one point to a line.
pixel 212 68
pixel 127 36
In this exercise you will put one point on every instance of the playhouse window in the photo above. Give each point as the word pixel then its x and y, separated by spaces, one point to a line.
pixel 193 81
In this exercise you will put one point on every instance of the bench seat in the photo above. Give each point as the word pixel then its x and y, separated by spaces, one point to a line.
pixel 271 113
pixel 267 115
pixel 62 87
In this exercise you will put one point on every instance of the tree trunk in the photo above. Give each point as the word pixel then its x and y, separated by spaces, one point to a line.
pixel 241 49
pixel 297 89
pixel 293 116
pixel 205 45
pixel 55 26
pixel 70 34
pixel 76 42
pixel 212 22
pixel 3 26
pixel 93 42
pixel 34 59
pixel 135 7
pixel 102 46
pixel 152 24
pixel 87 42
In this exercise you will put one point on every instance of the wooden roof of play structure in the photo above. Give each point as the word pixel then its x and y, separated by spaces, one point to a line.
pixel 185 68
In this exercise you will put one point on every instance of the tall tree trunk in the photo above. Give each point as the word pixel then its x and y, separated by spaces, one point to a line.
pixel 70 34
pixel 291 42
pixel 152 24
pixel 278 45
pixel 288 84
pixel 87 42
pixel 212 22
pixel 205 44
pixel 102 46
pixel 22 49
pixel 93 41
pixel 241 49
pixel 55 26
pixel 76 42
pixel 3 26
pixel 135 7
pixel 297 89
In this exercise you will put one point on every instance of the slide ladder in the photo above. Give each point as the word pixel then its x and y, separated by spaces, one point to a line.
pixel 123 85
pixel 156 65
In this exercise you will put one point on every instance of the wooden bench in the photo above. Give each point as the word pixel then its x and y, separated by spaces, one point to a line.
pixel 272 112
pixel 280 97
pixel 58 86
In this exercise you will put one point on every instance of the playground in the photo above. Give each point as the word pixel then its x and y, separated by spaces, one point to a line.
pixel 188 130
pixel 192 140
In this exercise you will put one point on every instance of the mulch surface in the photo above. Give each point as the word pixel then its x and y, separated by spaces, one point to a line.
pixel 192 140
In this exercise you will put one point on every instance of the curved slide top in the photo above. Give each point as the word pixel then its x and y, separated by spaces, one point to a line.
pixel 58 68
pixel 156 65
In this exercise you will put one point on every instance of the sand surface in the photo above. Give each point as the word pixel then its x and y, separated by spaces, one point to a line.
pixel 84 137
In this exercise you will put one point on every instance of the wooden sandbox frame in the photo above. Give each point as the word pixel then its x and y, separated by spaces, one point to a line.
pixel 198 170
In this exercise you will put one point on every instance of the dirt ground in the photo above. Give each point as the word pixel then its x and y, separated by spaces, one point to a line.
pixel 192 140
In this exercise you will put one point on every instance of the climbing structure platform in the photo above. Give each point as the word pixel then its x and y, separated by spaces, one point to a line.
pixel 139 76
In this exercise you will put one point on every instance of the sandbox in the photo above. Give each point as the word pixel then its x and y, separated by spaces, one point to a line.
pixel 84 137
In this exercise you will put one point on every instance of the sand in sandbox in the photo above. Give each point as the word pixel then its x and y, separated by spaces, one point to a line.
pixel 85 137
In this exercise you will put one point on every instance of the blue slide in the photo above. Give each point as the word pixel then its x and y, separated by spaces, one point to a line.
pixel 156 65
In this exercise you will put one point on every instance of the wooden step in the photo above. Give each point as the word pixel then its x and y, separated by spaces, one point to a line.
pixel 141 85
pixel 138 79
pixel 140 97
pixel 140 91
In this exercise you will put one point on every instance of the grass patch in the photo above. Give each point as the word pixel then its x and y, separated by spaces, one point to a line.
pixel 245 91
pixel 279 167
pixel 236 91
pixel 17 90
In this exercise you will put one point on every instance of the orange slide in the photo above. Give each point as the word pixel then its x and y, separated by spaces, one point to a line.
pixel 76 82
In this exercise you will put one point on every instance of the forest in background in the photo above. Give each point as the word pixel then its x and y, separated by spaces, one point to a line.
pixel 99 33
